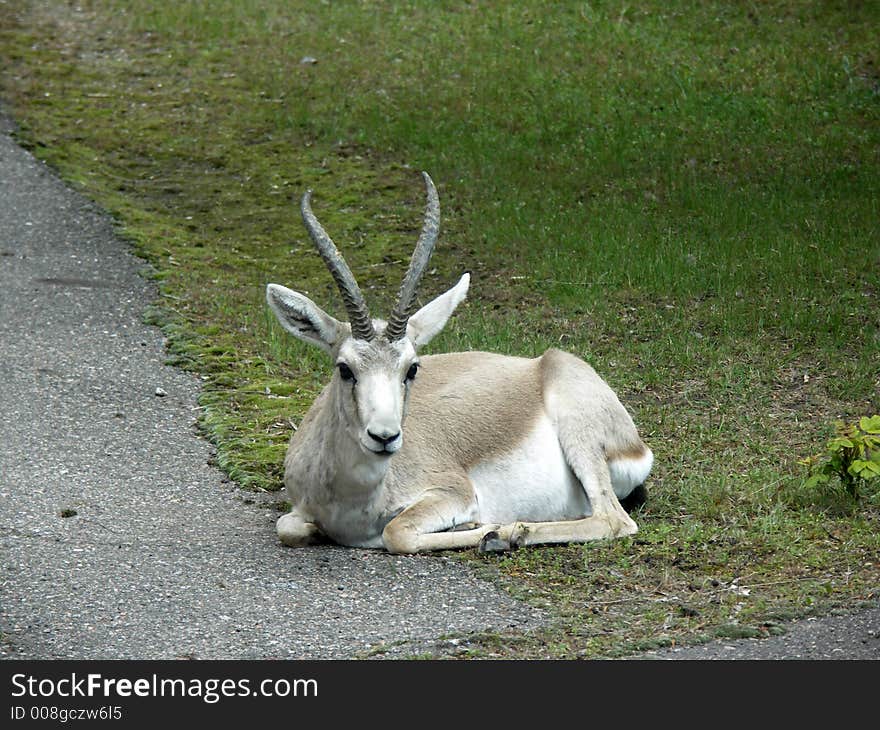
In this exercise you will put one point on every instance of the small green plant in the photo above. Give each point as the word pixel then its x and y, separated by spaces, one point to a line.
pixel 852 456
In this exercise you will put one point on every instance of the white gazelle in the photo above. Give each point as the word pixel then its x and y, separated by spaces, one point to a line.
pixel 469 449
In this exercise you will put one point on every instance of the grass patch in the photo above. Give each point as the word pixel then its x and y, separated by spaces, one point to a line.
pixel 684 194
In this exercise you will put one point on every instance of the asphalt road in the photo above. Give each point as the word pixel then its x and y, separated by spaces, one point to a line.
pixel 118 540
pixel 850 636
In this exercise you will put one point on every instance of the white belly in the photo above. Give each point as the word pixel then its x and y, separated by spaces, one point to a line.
pixel 532 483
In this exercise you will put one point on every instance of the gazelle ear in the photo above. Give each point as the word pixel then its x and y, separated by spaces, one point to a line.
pixel 432 318
pixel 304 319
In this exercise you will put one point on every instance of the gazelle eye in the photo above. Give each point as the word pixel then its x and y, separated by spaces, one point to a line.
pixel 413 370
pixel 345 372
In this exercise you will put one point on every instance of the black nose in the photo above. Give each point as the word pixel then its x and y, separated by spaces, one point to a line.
pixel 384 440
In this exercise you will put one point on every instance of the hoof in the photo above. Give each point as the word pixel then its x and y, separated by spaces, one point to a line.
pixel 492 542
pixel 294 532
pixel 623 528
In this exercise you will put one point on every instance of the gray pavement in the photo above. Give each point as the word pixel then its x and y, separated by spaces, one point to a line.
pixel 162 558
pixel 159 555
pixel 847 636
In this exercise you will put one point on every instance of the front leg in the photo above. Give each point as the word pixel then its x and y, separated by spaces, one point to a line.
pixel 296 529
pixel 434 522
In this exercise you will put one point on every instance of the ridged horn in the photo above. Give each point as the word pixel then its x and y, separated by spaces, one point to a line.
pixel 406 298
pixel 358 314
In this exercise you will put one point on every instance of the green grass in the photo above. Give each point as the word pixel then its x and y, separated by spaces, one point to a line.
pixel 685 194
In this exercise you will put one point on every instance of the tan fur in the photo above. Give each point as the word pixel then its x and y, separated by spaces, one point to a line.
pixel 631 451
pixel 502 400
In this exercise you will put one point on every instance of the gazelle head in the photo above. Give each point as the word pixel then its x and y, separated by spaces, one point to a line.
pixel 375 361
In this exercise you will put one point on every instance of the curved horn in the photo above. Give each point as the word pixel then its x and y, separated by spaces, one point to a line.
pixel 406 298
pixel 358 314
